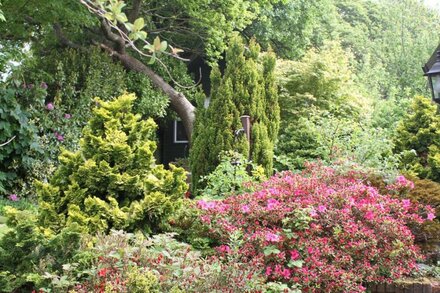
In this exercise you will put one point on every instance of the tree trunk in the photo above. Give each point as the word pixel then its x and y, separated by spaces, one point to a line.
pixel 179 103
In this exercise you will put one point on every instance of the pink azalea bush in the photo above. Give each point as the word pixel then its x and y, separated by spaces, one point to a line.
pixel 326 231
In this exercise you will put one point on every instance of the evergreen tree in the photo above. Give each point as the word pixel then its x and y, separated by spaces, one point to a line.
pixel 112 181
pixel 417 139
pixel 247 87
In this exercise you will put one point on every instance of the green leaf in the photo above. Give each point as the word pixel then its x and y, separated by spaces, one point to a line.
pixel 149 48
pixel 295 263
pixel 163 46
pixel 271 250
pixel 121 17
pixel 129 26
pixel 109 16
pixel 153 58
pixel 138 24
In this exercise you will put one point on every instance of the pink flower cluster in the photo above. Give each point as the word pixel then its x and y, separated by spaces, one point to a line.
pixel 323 230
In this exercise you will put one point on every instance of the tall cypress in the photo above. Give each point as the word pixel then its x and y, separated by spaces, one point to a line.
pixel 247 87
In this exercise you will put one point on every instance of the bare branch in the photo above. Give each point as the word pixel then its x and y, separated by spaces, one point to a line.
pixel 5 143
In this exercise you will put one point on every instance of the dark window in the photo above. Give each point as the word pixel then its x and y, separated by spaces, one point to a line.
pixel 179 132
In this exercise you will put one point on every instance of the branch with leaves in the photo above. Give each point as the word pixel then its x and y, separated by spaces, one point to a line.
pixel 117 25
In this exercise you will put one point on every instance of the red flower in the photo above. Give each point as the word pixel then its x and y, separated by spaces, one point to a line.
pixel 102 272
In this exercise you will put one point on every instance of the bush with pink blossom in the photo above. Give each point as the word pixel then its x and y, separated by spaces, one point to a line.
pixel 329 232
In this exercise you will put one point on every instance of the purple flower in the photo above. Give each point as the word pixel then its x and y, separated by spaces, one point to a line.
pixel 272 237
pixel 272 204
pixel 30 86
pixel 245 209
pixel 50 106
pixel 321 208
pixel 406 203
pixel 60 137
pixel 13 197
pixel 313 213
pixel 67 116
pixel 43 85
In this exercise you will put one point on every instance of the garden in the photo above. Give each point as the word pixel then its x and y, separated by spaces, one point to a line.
pixel 219 146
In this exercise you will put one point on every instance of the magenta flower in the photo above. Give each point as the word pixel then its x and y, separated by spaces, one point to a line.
pixel 272 203
pixel 206 205
pixel 60 137
pixel 245 209
pixel 369 215
pixel 50 106
pixel 67 116
pixel 294 254
pixel 285 273
pixel 431 216
pixel 13 197
pixel 268 271
pixel 406 203
pixel 224 248
pixel 321 208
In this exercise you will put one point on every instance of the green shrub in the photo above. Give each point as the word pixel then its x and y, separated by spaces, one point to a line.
pixel 112 181
pixel 230 176
pixel 27 251
pixel 20 204
pixel 247 87
pixel 427 192
pixel 417 140
pixel 16 128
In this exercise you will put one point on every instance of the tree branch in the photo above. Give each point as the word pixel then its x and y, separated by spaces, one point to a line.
pixel 5 143
pixel 62 37
pixel 178 101
pixel 120 42
pixel 134 12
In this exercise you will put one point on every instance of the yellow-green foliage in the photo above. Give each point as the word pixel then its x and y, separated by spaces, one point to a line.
pixel 418 140
pixel 112 181
pixel 142 281
pixel 27 250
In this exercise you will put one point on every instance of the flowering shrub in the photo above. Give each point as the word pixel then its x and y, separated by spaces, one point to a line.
pixel 126 262
pixel 322 229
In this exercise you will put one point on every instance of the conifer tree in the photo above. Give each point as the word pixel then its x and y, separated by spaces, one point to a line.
pixel 418 139
pixel 112 181
pixel 247 87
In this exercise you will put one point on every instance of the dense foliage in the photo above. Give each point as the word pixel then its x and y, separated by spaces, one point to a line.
pixel 18 139
pixel 417 139
pixel 347 93
pixel 232 176
pixel 132 263
pixel 112 181
pixel 321 229
pixel 27 251
pixel 247 87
